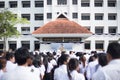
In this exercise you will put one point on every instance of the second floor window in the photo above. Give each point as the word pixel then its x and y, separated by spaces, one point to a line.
pixel 38 16
pixel 98 16
pixel 27 16
pixel 112 30
pixel 85 16
pixel 112 16
pixel 62 2
pixel 49 15
pixel 99 30
pixel 75 15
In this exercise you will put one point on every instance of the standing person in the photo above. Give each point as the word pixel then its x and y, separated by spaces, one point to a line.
pixel 2 66
pixel 22 71
pixel 61 73
pixel 91 68
pixel 74 68
pixel 10 66
pixel 112 70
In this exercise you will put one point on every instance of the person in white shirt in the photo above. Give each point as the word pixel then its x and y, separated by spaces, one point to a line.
pixel 91 68
pixel 74 68
pixel 61 73
pixel 2 66
pixel 10 66
pixel 112 70
pixel 22 71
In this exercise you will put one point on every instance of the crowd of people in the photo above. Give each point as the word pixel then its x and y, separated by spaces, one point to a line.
pixel 25 65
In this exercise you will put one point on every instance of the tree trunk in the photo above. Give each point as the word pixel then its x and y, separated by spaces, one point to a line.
pixel 4 43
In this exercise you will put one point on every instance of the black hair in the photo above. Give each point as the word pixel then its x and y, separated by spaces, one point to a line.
pixel 9 56
pixel 63 58
pixel 73 64
pixel 37 61
pixel 21 55
pixel 114 50
pixel 102 59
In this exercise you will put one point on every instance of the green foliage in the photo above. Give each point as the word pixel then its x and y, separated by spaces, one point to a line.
pixel 7 22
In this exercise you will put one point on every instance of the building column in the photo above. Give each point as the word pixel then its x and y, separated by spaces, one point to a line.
pixel 18 44
pixel 106 42
pixel 32 46
pixel 92 45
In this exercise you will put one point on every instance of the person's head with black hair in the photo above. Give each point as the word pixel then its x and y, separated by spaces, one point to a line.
pixel 113 51
pixel 102 59
pixel 10 57
pixel 2 64
pixel 64 59
pixel 73 64
pixel 22 56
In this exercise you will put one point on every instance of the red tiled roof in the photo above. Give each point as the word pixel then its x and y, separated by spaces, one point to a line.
pixel 61 26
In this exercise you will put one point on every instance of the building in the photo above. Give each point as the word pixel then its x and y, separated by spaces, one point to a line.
pixel 101 17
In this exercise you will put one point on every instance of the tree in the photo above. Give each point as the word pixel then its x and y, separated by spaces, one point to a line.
pixel 7 22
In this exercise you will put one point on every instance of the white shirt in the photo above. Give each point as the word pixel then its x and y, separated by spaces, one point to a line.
pixel 42 69
pixel 91 69
pixel 20 73
pixel 49 68
pixel 109 72
pixel 77 76
pixel 1 73
pixel 36 71
pixel 61 73
pixel 10 66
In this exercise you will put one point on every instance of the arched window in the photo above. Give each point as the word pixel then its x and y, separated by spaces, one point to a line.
pixel 62 2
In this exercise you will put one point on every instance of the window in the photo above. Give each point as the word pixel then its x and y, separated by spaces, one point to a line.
pixel 25 4
pixel 13 4
pixel 62 2
pixel 49 2
pixel 99 30
pixel 75 15
pixel 25 30
pixel 12 45
pixel 27 16
pixel 26 44
pixel 74 2
pixel 85 3
pixel 98 3
pixel 99 45
pixel 98 16
pixel 39 4
pixel 112 16
pixel 1 45
pixel 38 16
pixel 35 28
pixel 2 4
pixel 112 29
pixel 49 15
pixel 111 3
pixel 87 45
pixel 85 16
pixel 37 44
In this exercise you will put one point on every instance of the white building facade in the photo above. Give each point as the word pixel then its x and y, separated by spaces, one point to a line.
pixel 101 17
